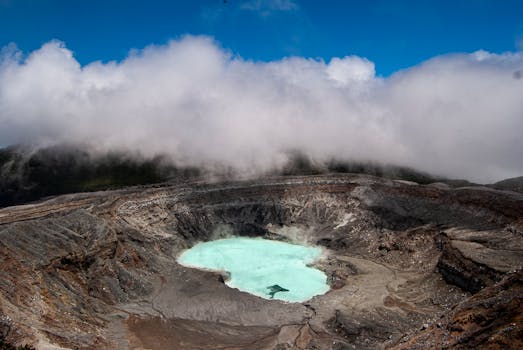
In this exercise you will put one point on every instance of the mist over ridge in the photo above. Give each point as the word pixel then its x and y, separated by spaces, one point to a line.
pixel 202 106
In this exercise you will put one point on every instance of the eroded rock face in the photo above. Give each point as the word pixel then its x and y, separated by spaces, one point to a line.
pixel 99 270
pixel 491 319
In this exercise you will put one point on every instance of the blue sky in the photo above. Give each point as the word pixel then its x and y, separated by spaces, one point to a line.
pixel 392 34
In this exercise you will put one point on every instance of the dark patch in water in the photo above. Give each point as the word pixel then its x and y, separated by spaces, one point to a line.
pixel 275 289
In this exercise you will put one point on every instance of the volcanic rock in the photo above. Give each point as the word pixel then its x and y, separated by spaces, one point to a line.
pixel 98 270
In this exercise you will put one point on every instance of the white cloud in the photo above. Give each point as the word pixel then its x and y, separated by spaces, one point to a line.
pixel 457 115
pixel 351 70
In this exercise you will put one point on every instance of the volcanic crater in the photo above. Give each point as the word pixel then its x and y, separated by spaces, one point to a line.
pixel 409 266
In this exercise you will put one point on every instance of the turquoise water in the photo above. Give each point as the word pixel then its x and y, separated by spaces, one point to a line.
pixel 268 269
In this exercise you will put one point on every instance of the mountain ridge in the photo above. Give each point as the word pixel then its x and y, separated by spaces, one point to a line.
pixel 27 175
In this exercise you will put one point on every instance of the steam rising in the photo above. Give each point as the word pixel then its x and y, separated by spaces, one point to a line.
pixel 457 115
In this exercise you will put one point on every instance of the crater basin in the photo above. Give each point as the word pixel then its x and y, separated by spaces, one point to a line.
pixel 266 268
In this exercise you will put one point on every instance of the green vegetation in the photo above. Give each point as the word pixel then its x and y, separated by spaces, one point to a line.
pixel 300 164
pixel 27 175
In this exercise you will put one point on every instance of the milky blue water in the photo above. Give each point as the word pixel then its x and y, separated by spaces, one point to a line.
pixel 260 266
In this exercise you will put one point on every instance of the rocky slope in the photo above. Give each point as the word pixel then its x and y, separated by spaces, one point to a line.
pixel 491 319
pixel 99 271
pixel 514 184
